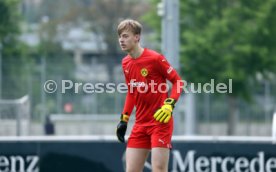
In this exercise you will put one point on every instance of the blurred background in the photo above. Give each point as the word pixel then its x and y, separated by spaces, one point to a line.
pixel 76 40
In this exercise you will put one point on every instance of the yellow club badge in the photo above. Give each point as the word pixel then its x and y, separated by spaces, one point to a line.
pixel 144 72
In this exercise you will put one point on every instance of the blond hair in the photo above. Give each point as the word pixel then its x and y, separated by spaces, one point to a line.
pixel 129 25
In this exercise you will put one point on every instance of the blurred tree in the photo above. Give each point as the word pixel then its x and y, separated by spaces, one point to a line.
pixel 152 19
pixel 225 40
pixel 14 61
pixel 9 18
pixel 105 18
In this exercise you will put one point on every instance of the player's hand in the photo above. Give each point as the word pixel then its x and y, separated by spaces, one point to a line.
pixel 164 113
pixel 122 127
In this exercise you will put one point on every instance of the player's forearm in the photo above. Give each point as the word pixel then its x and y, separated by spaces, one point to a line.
pixel 129 104
pixel 177 86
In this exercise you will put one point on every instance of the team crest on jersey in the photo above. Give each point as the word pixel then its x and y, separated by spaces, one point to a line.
pixel 144 72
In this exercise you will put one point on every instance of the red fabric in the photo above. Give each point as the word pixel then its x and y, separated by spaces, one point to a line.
pixel 129 104
pixel 140 74
pixel 148 137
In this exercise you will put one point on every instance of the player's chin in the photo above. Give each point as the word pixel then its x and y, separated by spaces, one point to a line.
pixel 124 49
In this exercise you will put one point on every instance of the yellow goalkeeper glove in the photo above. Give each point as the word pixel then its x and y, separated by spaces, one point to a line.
pixel 164 113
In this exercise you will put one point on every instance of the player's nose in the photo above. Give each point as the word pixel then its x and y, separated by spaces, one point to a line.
pixel 121 41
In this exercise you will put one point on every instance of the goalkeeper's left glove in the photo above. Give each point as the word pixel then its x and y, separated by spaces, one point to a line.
pixel 164 113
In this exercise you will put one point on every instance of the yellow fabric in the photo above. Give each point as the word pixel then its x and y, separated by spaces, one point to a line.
pixel 124 118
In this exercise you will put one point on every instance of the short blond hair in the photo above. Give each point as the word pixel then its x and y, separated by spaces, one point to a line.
pixel 130 25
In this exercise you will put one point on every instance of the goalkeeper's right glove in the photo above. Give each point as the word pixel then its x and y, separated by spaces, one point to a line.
pixel 122 127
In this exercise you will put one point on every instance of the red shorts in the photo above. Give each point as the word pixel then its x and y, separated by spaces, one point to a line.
pixel 151 136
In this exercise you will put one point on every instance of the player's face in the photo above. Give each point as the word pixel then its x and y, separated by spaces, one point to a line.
pixel 128 40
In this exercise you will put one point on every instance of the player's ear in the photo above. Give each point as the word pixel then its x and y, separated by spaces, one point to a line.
pixel 137 37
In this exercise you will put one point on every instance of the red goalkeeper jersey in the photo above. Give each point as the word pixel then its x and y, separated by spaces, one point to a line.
pixel 147 89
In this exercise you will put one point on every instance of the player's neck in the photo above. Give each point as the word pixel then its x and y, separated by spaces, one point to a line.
pixel 136 52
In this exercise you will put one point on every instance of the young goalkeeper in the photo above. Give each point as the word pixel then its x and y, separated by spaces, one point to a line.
pixel 146 72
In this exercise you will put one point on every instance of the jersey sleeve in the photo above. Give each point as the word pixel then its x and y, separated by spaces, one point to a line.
pixel 170 74
pixel 129 104
pixel 129 100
